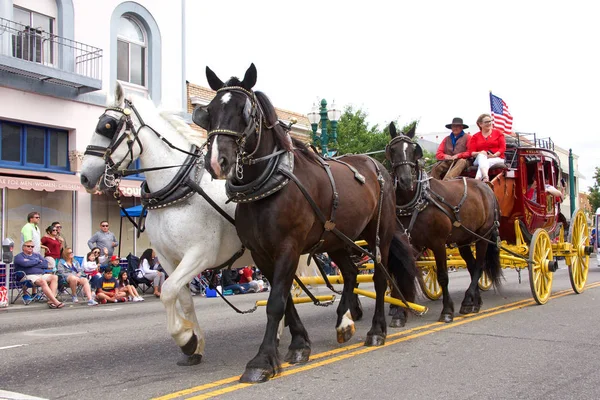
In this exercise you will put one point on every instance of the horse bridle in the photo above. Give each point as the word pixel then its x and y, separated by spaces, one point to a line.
pixel 255 125
pixel 110 127
pixel 412 164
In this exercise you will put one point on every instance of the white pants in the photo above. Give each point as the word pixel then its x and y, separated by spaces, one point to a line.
pixel 483 162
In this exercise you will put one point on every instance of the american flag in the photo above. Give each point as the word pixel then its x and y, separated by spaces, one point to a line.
pixel 500 114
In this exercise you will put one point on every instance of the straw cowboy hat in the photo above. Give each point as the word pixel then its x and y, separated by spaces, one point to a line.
pixel 457 121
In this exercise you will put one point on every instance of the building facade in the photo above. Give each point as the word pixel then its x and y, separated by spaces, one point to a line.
pixel 59 63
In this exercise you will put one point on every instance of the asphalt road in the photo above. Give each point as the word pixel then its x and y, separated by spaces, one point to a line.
pixel 513 349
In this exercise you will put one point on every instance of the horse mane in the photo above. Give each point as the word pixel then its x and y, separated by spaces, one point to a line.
pixel 177 122
pixel 168 119
pixel 283 139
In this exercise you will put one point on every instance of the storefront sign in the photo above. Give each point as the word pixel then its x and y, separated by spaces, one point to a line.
pixel 131 191
pixel 37 184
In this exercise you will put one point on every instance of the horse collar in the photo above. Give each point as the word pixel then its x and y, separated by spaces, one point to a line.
pixel 269 182
pixel 177 190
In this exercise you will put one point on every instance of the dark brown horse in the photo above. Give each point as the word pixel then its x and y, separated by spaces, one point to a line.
pixel 436 213
pixel 288 205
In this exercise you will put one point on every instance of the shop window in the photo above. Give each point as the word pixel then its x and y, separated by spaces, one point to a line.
pixel 33 147
pixel 52 206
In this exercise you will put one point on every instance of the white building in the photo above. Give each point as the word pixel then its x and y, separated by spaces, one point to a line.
pixel 59 61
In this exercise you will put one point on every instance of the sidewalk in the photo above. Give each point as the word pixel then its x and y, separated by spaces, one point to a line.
pixel 37 305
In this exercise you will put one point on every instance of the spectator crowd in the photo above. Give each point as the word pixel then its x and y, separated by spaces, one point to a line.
pixel 50 266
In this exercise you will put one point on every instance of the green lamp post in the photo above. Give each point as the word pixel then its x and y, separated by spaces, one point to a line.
pixel 323 115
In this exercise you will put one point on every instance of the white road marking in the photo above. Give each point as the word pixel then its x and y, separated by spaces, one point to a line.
pixel 44 332
pixel 17 396
pixel 12 347
pixel 108 309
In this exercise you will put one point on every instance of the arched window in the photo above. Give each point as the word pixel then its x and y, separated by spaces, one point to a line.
pixel 132 45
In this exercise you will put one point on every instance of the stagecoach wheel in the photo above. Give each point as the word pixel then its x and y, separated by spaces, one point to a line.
pixel 579 237
pixel 485 283
pixel 430 286
pixel 540 268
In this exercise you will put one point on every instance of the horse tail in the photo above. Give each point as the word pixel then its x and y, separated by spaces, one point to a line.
pixel 492 259
pixel 402 264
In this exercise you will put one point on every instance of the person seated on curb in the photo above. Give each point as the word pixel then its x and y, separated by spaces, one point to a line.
pixel 92 269
pixel 126 286
pixel 72 273
pixel 35 266
pixel 247 277
pixel 109 288
pixel 453 152
pixel 228 282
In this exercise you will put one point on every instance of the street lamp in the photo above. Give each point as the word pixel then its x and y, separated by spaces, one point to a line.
pixel 333 116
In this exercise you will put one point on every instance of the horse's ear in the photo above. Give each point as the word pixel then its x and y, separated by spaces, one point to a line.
pixel 200 117
pixel 411 132
pixel 213 80
pixel 119 94
pixel 249 78
pixel 392 129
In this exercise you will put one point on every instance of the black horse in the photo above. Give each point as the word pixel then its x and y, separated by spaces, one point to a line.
pixel 291 202
pixel 436 213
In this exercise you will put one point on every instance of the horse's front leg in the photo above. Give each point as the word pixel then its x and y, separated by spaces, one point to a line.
pixel 378 332
pixel 472 301
pixel 348 303
pixel 299 350
pixel 439 252
pixel 266 363
pixel 185 330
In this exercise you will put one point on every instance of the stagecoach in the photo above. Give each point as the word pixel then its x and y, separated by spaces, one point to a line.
pixel 532 228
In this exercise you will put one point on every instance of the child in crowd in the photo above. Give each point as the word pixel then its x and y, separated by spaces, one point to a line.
pixel 127 287
pixel 108 291
pixel 92 270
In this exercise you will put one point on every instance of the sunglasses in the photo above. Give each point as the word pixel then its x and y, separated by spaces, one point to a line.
pixel 58 226
pixel 104 226
pixel 29 246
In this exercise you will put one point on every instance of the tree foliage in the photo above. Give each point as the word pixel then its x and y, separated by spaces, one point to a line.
pixel 594 196
pixel 355 136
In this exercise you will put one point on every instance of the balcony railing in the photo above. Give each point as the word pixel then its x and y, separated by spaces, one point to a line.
pixel 39 47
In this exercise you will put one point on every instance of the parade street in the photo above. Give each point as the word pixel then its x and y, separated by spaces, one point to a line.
pixel 512 349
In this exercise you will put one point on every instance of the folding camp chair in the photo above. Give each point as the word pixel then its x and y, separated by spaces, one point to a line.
pixel 22 284
pixel 138 280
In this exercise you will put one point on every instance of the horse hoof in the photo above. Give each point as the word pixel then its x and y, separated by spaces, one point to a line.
pixel 190 347
pixel 344 334
pixel 466 309
pixel 397 323
pixel 297 356
pixel 446 318
pixel 188 361
pixel 374 340
pixel 476 309
pixel 256 375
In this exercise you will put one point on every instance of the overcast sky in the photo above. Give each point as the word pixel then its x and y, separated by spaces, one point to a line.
pixel 426 60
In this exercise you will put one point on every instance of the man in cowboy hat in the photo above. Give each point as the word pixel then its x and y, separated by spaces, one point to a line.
pixel 452 153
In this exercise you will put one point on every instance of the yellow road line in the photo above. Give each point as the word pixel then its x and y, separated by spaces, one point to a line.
pixel 359 348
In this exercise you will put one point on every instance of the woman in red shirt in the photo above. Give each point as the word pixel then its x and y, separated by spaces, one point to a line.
pixel 487 146
pixel 53 245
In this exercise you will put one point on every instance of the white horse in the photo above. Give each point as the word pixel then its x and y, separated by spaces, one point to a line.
pixel 189 236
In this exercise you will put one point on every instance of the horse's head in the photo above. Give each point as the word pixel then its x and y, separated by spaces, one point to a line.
pixel 404 154
pixel 232 120
pixel 114 145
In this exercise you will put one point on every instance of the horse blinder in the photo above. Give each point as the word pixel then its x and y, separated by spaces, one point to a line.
pixel 108 126
pixel 201 117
